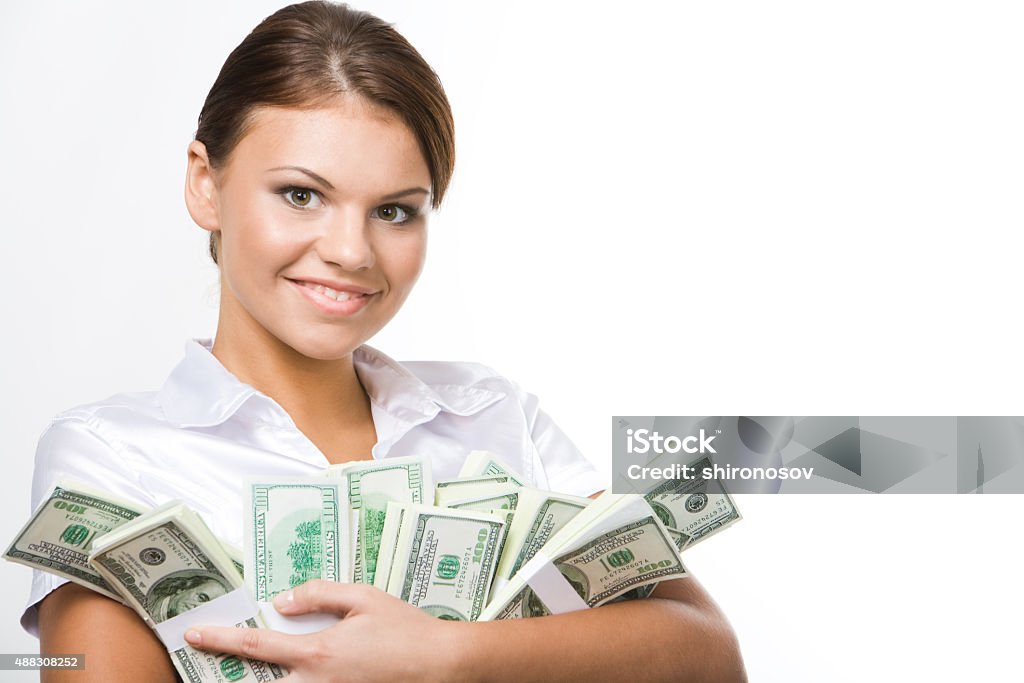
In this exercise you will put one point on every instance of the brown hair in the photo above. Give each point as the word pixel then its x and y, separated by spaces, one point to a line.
pixel 304 55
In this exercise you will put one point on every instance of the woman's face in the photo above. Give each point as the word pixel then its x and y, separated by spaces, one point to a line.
pixel 322 220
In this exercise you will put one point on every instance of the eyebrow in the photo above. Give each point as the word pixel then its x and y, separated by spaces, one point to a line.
pixel 300 169
pixel 402 193
pixel 320 179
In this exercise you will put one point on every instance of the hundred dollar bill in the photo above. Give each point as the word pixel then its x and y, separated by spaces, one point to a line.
pixel 296 529
pixel 393 527
pixel 506 516
pixel 612 547
pixel 678 537
pixel 444 560
pixel 472 487
pixel 388 539
pixel 539 516
pixel 504 498
pixel 370 486
pixel 166 563
pixel 486 464
pixel 353 530
pixel 236 555
pixel 696 508
pixel 58 537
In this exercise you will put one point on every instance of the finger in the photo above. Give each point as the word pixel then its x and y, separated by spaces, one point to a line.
pixel 255 643
pixel 343 599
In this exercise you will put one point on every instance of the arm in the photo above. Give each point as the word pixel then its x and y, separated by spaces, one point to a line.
pixel 690 635
pixel 677 635
pixel 71 618
pixel 117 644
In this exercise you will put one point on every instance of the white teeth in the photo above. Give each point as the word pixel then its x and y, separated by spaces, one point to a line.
pixel 337 296
pixel 332 293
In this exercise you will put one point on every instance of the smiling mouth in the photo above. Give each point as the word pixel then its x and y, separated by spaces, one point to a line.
pixel 331 293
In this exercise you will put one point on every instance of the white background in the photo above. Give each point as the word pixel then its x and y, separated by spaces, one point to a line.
pixel 790 208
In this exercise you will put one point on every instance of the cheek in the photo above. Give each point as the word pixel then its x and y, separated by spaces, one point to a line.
pixel 259 242
pixel 403 260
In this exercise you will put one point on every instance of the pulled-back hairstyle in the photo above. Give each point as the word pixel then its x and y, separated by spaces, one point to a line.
pixel 306 54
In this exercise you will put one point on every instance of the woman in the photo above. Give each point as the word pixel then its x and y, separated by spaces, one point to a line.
pixel 321 147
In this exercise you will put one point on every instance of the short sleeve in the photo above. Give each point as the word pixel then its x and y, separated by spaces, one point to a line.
pixel 73 448
pixel 566 468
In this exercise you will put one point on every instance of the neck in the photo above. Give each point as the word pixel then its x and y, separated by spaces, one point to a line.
pixel 311 391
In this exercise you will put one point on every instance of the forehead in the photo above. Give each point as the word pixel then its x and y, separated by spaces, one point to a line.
pixel 345 138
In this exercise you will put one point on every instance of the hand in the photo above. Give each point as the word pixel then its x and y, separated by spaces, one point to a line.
pixel 379 639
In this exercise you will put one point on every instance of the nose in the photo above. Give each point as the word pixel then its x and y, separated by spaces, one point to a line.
pixel 346 240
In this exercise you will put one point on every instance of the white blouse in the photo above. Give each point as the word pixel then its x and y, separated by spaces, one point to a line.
pixel 204 431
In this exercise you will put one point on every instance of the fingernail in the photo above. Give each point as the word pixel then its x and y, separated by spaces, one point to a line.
pixel 284 600
pixel 193 636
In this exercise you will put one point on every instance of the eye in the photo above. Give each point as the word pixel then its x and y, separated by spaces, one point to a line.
pixel 395 213
pixel 300 197
pixel 203 597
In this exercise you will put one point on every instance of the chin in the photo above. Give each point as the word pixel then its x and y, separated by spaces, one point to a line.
pixel 324 352
pixel 324 348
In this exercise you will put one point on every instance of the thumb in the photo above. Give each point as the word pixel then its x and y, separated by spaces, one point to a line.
pixel 343 599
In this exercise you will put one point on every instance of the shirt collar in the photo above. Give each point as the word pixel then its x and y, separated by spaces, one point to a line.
pixel 201 392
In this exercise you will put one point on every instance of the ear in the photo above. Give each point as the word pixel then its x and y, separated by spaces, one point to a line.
pixel 201 188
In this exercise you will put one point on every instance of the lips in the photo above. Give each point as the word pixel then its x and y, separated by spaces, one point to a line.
pixel 334 298
pixel 336 285
pixel 336 294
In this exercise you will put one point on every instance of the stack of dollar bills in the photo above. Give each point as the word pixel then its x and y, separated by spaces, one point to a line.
pixel 162 563
pixel 483 546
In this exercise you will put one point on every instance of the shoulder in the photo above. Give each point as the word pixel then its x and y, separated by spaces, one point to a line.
pixel 514 426
pixel 454 382
pixel 109 416
pixel 445 373
pixel 460 387
pixel 90 443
